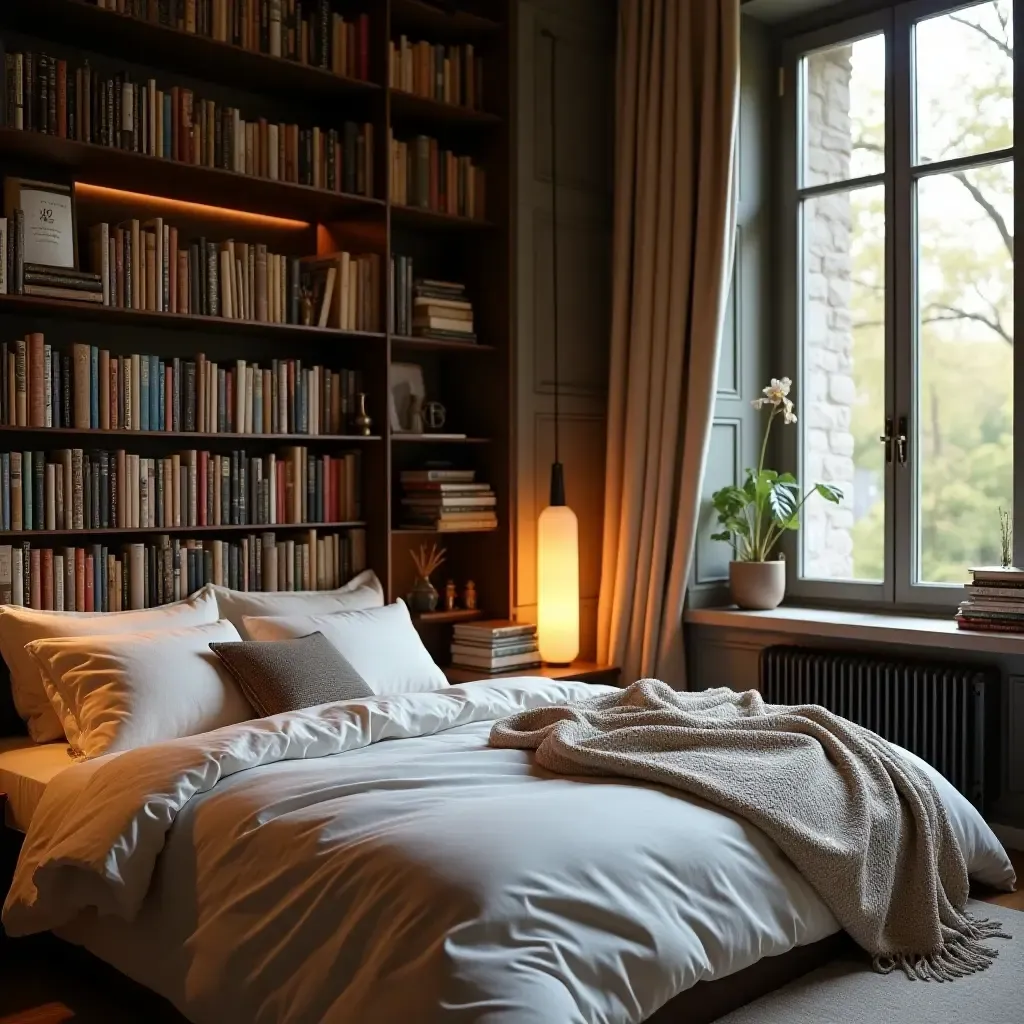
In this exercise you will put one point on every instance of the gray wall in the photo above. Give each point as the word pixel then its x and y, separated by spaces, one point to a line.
pixel 746 342
pixel 586 69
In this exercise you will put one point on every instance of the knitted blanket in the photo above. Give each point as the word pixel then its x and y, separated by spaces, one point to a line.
pixel 864 826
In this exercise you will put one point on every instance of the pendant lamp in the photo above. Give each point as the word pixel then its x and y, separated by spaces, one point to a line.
pixel 558 545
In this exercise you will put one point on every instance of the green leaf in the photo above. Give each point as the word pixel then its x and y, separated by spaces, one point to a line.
pixel 725 535
pixel 783 499
pixel 829 493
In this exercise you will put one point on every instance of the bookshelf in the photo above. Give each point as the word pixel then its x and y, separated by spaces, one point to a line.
pixel 472 381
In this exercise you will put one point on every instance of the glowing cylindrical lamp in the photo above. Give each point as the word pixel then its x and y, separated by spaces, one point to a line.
pixel 558 577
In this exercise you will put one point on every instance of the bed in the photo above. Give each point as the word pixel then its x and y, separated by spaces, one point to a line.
pixel 25 769
pixel 375 860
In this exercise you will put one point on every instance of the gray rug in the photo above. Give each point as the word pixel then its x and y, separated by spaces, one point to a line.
pixel 847 991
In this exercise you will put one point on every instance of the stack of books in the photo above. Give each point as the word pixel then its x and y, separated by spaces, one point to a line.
pixel 993 601
pixel 58 282
pixel 447 500
pixel 441 310
pixel 497 645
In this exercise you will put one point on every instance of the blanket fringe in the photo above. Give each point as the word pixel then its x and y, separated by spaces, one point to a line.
pixel 962 954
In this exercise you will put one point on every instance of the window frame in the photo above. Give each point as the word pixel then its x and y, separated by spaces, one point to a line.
pixel 897 590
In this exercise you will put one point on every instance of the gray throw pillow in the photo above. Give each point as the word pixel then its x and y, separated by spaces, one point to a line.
pixel 286 675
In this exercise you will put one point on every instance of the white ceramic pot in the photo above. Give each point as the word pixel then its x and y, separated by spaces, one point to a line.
pixel 757 586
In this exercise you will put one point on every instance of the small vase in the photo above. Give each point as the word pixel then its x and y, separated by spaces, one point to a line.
pixel 757 586
pixel 423 596
pixel 362 422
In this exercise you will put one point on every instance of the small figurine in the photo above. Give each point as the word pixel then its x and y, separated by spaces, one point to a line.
pixel 306 297
pixel 434 415
pixel 416 414
pixel 469 596
pixel 449 596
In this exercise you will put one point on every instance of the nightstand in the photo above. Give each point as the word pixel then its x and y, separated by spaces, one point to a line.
pixel 583 671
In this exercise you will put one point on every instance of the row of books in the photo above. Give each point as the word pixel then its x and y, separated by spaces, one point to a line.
pixel 44 94
pixel 307 31
pixel 498 645
pixel 447 500
pixel 447 74
pixel 89 388
pixel 72 489
pixel 993 601
pixel 130 576
pixel 426 176
pixel 428 308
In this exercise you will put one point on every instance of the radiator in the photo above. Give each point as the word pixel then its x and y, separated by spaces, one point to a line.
pixel 939 712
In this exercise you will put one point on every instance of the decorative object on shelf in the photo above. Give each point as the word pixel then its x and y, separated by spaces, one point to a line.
pixel 51 235
pixel 434 416
pixel 424 596
pixel 447 500
pixel 755 516
pixel 558 554
pixel 362 421
pixel 406 397
pixel 306 301
pixel 469 596
pixel 449 596
pixel 1005 539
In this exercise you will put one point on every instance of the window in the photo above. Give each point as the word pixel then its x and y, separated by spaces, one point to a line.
pixel 899 297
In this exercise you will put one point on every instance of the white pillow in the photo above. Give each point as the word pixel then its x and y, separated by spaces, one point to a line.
pixel 381 644
pixel 364 591
pixel 132 689
pixel 20 626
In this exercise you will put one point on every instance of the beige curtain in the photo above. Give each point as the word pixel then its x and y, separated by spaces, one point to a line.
pixel 677 100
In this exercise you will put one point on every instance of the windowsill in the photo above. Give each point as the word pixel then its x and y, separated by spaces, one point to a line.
pixel 876 627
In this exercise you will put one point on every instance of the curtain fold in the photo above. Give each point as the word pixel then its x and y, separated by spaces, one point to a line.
pixel 677 95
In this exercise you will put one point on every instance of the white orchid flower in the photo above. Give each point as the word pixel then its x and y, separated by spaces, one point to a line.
pixel 788 416
pixel 776 392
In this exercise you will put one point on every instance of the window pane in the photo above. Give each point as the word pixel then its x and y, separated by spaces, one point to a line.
pixel 842 398
pixel 964 81
pixel 964 375
pixel 843 104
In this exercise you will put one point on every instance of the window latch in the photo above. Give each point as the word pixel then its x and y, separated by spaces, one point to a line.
pixel 887 439
pixel 901 442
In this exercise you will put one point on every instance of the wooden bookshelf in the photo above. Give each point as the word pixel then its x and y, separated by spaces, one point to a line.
pixel 476 251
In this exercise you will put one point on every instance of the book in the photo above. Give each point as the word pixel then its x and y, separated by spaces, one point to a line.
pixel 1010 576
pixel 496 664
pixel 495 629
pixel 430 476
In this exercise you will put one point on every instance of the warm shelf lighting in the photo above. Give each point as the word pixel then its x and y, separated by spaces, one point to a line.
pixel 183 206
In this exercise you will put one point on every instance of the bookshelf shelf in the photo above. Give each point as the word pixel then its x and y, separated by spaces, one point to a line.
pixel 141 531
pixel 418 217
pixel 193 435
pixel 440 618
pixel 440 21
pixel 90 27
pixel 409 105
pixel 172 179
pixel 69 309
pixel 437 439
pixel 439 345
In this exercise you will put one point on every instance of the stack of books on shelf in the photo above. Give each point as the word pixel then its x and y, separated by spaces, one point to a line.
pixel 428 308
pixel 73 489
pixel 497 645
pixel 426 176
pixel 993 601
pixel 47 95
pixel 447 500
pixel 89 388
pixel 447 74
pixel 103 578
pixel 306 31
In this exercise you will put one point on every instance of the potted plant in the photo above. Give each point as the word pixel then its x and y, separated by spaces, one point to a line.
pixel 754 517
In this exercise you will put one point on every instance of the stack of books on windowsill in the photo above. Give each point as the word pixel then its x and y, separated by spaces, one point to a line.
pixel 447 500
pixel 993 601
pixel 497 645
pixel 440 310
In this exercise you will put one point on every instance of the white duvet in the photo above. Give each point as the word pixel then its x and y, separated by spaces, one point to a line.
pixel 301 869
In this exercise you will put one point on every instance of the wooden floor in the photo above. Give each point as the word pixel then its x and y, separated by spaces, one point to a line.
pixel 46 981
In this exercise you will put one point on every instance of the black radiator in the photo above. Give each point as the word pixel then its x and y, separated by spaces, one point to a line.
pixel 938 711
